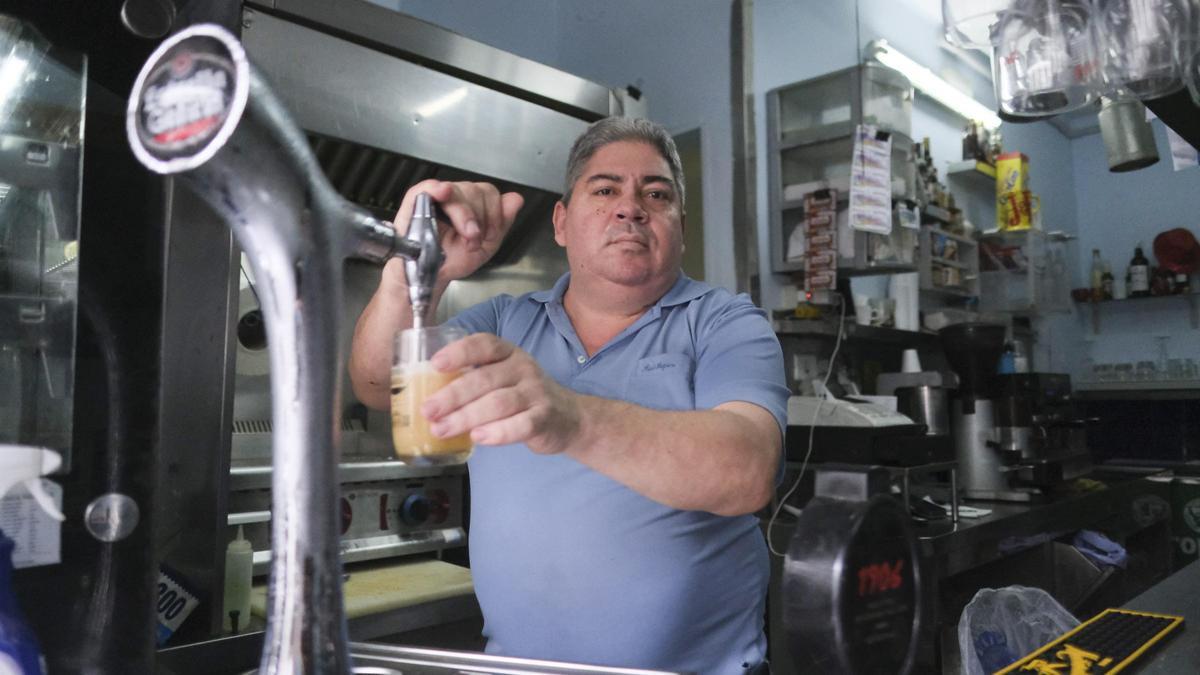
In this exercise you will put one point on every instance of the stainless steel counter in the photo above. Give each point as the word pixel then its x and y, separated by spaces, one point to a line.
pixel 1014 544
pixel 240 653
pixel 1130 502
pixel 1178 594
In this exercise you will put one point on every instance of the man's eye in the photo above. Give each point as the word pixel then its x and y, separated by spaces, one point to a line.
pixel 658 194
pixel 604 191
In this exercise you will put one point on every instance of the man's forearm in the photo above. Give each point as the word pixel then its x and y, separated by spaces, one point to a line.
pixel 722 460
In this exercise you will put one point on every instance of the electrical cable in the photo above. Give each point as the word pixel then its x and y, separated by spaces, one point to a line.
pixel 812 428
pixel 250 283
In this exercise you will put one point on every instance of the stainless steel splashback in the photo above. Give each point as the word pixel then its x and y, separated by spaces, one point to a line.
pixel 346 90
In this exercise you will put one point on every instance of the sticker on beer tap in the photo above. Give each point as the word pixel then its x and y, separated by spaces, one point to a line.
pixel 187 99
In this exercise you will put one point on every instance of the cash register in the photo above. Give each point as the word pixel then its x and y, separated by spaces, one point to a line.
pixel 857 431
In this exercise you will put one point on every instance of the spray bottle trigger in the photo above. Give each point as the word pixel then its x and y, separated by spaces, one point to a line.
pixel 43 499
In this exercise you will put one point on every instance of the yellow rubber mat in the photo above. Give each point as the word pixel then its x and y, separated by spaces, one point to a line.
pixel 1107 643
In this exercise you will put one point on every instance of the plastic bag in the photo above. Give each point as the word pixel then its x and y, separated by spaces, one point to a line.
pixel 1000 625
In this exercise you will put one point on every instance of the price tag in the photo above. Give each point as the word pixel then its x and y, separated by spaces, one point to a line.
pixel 173 605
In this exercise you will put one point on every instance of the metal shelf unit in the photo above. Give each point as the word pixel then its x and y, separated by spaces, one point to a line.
pixel 810 141
pixel 933 276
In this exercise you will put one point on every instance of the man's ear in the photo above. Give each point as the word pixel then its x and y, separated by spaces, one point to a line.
pixel 560 219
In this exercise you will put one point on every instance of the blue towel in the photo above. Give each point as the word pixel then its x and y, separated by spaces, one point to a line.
pixel 1100 549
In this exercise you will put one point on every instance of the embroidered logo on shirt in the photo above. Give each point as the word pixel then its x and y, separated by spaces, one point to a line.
pixel 658 365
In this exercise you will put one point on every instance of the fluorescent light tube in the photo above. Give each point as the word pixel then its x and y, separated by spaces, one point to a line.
pixel 924 80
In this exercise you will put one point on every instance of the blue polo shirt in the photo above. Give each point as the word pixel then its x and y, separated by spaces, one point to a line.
pixel 569 564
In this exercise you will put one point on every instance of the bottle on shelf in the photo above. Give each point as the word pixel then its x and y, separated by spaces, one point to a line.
pixel 1008 360
pixel 922 189
pixel 1097 276
pixel 970 146
pixel 1020 357
pixel 1139 274
pixel 1106 281
pixel 1162 282
pixel 1183 283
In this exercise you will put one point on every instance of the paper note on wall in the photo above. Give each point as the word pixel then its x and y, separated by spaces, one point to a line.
pixel 871 181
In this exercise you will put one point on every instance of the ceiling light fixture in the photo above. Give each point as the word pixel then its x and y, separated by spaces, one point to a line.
pixel 925 81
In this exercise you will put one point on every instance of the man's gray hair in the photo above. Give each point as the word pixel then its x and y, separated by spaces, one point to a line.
pixel 615 129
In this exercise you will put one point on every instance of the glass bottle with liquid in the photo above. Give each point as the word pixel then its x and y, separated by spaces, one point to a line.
pixel 1139 274
pixel 1097 276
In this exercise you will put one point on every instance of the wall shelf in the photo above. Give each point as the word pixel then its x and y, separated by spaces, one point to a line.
pixel 948 263
pixel 1189 298
pixel 978 173
pixel 1160 390
pixel 828 328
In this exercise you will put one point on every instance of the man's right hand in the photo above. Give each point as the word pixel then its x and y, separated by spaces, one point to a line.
pixel 479 216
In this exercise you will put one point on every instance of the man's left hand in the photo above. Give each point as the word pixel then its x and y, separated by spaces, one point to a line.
pixel 503 397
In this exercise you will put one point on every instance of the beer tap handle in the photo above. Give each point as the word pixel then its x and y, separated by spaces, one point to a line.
pixel 421 269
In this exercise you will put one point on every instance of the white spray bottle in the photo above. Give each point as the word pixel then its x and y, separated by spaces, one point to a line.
pixel 19 652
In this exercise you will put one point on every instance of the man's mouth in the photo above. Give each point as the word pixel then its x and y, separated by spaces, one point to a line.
pixel 630 240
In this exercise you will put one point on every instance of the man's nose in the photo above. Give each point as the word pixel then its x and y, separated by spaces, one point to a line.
pixel 630 208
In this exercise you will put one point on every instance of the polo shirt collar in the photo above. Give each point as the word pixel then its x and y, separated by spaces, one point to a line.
pixel 682 291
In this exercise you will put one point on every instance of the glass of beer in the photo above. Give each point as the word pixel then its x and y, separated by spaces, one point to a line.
pixel 413 380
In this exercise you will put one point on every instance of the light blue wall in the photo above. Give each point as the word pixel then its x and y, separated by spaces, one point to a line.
pixel 675 51
pixel 1116 212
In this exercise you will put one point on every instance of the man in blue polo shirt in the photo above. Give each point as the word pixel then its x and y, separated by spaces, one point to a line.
pixel 632 421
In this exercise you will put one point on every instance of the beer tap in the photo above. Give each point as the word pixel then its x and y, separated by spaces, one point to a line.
pixel 421 270
pixel 201 112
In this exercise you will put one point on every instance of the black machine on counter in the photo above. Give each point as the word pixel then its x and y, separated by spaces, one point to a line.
pixel 1015 435
pixel 858 432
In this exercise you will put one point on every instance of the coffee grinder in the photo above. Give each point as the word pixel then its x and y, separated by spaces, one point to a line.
pixel 973 351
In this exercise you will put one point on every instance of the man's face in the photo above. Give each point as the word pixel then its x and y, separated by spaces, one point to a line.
pixel 624 223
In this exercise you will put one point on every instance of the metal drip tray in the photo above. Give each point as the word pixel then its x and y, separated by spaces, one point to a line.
pixel 377 659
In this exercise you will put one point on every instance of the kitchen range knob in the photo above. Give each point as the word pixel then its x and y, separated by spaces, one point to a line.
pixel 346 513
pixel 439 506
pixel 415 510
